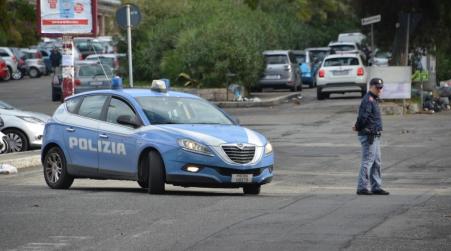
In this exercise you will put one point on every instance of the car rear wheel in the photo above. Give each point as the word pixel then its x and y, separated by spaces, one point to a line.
pixel 17 140
pixel 33 73
pixel 319 93
pixel 156 173
pixel 55 169
pixel 8 74
pixel 251 189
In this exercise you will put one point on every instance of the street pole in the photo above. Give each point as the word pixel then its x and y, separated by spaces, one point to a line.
pixel 129 42
pixel 372 40
pixel 407 54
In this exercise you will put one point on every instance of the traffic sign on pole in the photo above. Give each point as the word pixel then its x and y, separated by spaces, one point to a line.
pixel 371 20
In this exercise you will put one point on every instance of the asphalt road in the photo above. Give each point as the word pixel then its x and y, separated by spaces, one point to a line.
pixel 310 205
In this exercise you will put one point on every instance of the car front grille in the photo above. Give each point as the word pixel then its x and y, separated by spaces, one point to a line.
pixel 240 155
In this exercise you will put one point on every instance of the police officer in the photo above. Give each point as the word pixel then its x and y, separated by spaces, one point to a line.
pixel 369 128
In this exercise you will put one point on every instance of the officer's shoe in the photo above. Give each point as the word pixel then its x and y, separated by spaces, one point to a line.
pixel 380 192
pixel 363 192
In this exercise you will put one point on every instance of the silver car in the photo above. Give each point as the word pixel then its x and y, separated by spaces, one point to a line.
pixel 23 129
pixel 282 71
pixel 91 76
pixel 35 63
pixel 3 141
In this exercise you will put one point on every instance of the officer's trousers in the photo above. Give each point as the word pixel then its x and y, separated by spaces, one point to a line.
pixel 370 168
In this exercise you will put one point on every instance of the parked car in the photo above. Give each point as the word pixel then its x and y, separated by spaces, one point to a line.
pixel 22 66
pixel 23 129
pixel 88 46
pixel 347 47
pixel 282 71
pixel 4 71
pixel 35 63
pixel 11 62
pixel 341 73
pixel 354 37
pixel 4 147
pixel 381 58
pixel 112 60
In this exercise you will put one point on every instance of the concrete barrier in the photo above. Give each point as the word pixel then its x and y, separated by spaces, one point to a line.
pixel 22 159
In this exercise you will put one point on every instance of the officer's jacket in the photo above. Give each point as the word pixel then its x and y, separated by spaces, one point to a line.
pixel 369 119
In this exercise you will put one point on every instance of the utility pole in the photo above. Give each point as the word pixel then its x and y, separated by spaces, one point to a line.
pixel 129 45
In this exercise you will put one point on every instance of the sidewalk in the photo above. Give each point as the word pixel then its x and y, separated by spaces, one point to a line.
pixel 22 159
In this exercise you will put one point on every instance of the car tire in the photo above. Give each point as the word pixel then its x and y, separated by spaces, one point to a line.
pixel 33 72
pixel 319 94
pixel 252 189
pixel 17 75
pixel 156 173
pixel 17 140
pixel 4 147
pixel 55 169
pixel 8 74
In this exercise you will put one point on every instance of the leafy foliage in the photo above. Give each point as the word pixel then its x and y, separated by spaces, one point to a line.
pixel 18 24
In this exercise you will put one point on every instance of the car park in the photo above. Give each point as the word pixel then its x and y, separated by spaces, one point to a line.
pixel 23 129
pixel 281 72
pixel 341 73
pixel 11 62
pixel 4 72
pixel 154 136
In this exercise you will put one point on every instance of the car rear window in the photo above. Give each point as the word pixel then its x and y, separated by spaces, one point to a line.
pixel 343 47
pixel 276 59
pixel 300 59
pixel 341 61
pixel 94 70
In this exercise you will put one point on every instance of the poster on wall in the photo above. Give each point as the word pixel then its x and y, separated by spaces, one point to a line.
pixel 63 17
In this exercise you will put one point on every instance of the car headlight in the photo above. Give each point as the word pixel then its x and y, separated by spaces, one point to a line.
pixel 31 120
pixel 193 146
pixel 268 148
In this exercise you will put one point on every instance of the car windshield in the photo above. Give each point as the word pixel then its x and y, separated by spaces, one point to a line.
pixel 86 45
pixel 318 55
pixel 92 70
pixel 6 106
pixel 300 59
pixel 382 54
pixel 343 47
pixel 103 60
pixel 341 61
pixel 176 110
pixel 276 59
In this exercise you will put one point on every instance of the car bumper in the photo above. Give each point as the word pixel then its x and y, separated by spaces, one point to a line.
pixel 213 172
pixel 277 83
pixel 342 87
pixel 35 133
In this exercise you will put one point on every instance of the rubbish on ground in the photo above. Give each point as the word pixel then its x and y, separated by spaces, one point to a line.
pixel 7 169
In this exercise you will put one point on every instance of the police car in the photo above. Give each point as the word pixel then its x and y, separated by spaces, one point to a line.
pixel 155 137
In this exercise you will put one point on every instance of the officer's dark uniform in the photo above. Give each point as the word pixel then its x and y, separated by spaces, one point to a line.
pixel 369 127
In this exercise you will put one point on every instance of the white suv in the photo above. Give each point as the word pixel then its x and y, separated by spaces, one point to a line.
pixel 341 73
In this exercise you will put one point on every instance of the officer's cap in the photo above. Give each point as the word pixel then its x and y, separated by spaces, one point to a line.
pixel 379 83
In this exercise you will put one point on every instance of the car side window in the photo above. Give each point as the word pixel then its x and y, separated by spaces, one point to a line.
pixel 91 107
pixel 3 53
pixel 118 108
pixel 72 104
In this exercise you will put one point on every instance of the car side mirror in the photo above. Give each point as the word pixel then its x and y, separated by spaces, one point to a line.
pixel 128 120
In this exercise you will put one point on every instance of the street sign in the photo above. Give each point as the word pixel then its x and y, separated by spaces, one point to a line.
pixel 371 20
pixel 121 16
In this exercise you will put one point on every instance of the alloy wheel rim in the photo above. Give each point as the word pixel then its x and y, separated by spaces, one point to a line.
pixel 15 142
pixel 53 167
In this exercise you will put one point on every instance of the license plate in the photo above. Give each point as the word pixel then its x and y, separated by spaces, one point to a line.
pixel 241 178
pixel 272 77
pixel 96 83
pixel 341 73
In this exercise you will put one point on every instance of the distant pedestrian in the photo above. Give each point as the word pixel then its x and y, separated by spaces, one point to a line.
pixel 55 59
pixel 369 128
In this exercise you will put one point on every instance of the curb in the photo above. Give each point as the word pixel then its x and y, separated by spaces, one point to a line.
pixel 22 159
pixel 263 103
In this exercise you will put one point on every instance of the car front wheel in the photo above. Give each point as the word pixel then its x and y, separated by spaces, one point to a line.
pixel 17 75
pixel 55 169
pixel 17 140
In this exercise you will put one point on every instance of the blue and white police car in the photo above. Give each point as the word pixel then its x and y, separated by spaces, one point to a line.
pixel 155 137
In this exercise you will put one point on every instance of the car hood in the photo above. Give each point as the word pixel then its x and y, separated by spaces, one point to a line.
pixel 16 112
pixel 215 135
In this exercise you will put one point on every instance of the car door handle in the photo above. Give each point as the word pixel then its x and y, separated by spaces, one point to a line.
pixel 103 136
pixel 70 129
